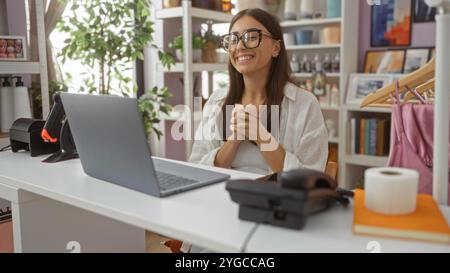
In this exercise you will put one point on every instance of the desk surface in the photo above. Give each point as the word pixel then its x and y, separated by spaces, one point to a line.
pixel 204 216
pixel 332 232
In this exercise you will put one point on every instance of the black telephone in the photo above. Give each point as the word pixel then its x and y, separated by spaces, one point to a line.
pixel 286 199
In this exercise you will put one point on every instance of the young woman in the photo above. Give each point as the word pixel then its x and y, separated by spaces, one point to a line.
pixel 295 137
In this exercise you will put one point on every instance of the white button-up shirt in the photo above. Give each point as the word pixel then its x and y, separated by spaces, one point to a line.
pixel 302 133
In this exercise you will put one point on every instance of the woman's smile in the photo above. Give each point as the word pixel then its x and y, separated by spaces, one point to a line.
pixel 244 58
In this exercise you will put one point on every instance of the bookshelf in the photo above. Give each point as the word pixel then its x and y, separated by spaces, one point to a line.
pixel 348 23
pixel 353 166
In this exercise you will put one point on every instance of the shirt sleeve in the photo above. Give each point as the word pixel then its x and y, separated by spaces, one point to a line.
pixel 207 142
pixel 311 151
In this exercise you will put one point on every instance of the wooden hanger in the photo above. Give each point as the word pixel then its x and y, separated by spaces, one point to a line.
pixel 412 80
pixel 421 89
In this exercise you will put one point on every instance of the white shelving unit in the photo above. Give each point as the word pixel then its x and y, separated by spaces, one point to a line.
pixel 185 18
pixel 346 49
pixel 38 68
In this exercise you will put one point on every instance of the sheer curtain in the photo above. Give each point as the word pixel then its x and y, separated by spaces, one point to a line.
pixel 53 13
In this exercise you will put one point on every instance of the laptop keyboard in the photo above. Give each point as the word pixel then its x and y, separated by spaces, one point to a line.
pixel 169 181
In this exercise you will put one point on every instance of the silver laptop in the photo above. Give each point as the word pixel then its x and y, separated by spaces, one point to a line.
pixel 112 145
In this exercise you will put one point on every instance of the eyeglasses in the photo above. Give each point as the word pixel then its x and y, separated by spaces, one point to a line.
pixel 251 39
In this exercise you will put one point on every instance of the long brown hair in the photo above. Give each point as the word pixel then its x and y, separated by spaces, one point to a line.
pixel 278 74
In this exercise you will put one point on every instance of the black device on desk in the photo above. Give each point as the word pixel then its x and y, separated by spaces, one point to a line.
pixel 57 130
pixel 286 199
pixel 25 134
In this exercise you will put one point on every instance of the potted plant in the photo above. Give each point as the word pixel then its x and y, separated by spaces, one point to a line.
pixel 211 42
pixel 111 34
pixel 197 45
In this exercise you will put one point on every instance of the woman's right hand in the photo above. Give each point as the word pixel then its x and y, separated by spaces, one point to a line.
pixel 238 130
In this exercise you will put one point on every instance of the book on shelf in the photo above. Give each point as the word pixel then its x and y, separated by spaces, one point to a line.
pixel 369 136
pixel 427 223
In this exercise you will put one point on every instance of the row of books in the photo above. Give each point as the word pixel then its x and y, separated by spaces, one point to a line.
pixel 370 136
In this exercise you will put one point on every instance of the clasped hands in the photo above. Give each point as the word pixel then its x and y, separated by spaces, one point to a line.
pixel 245 124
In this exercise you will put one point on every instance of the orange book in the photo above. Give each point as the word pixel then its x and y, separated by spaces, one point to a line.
pixel 426 224
pixel 362 133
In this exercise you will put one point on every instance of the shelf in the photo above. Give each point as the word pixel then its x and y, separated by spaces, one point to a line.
pixel 356 108
pixel 311 22
pixel 333 140
pixel 173 13
pixel 329 108
pixel 367 160
pixel 310 75
pixel 312 47
pixel 19 67
pixel 197 67
pixel 4 135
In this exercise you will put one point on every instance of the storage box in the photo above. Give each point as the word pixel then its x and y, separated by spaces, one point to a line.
pixel 331 35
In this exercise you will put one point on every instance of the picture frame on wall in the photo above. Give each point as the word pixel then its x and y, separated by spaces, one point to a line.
pixel 361 85
pixel 391 23
pixel 13 48
pixel 415 58
pixel 423 13
pixel 384 61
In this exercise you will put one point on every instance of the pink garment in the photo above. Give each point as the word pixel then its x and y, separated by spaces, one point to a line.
pixel 412 141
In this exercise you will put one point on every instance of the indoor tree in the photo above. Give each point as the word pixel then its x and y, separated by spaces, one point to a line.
pixel 104 35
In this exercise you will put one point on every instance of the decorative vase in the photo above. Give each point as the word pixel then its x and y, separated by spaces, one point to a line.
pixel 334 8
pixel 307 9
pixel 196 55
pixel 209 52
pixel 171 3
pixel 275 7
pixel 290 10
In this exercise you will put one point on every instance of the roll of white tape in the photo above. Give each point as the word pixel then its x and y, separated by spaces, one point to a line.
pixel 391 191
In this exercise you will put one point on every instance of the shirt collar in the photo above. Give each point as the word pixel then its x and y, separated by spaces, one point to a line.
pixel 290 91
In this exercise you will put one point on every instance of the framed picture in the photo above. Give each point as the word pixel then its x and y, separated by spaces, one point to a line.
pixel 415 59
pixel 13 48
pixel 391 23
pixel 384 61
pixel 423 13
pixel 361 85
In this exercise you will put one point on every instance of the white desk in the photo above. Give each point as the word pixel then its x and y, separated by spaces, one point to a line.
pixel 57 203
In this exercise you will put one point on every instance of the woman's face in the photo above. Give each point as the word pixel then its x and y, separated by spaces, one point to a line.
pixel 248 61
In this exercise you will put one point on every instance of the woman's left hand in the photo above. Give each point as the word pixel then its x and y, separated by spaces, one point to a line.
pixel 248 125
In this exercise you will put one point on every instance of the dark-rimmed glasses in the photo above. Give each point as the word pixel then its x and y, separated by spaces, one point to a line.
pixel 251 39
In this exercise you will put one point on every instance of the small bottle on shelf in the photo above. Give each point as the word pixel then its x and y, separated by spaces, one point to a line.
pixel 305 65
pixel 6 105
pixel 316 62
pixel 334 96
pixel 295 66
pixel 319 79
pixel 325 99
pixel 327 63
pixel 309 85
pixel 22 107
pixel 336 64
